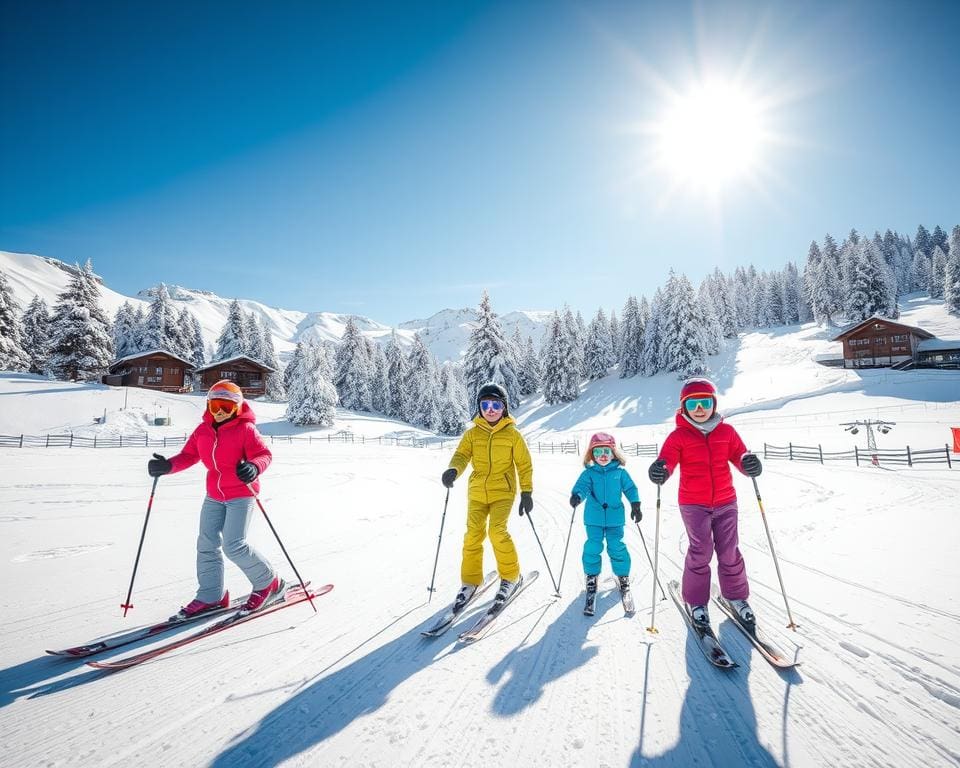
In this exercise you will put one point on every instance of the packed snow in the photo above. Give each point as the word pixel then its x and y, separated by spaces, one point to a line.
pixel 867 554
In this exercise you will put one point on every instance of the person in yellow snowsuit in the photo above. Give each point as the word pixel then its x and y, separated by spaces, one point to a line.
pixel 498 453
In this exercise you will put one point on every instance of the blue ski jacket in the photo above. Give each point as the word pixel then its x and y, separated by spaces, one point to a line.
pixel 603 488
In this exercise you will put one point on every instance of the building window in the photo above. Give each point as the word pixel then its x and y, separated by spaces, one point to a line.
pixel 900 338
pixel 175 371
pixel 880 340
pixel 859 342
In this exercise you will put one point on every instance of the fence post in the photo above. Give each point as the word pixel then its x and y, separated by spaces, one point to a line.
pixel 946 450
pixel 94 441
pixel 146 439
pixel 820 448
pixel 790 448
pixel 909 457
pixel 71 440
pixel 121 440
pixel 856 455
pixel 764 451
pixel 48 441
pixel 164 441
pixel 21 440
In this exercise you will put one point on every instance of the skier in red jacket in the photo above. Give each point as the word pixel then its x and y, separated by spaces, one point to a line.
pixel 228 444
pixel 704 446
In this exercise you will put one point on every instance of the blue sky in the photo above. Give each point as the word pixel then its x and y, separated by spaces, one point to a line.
pixel 394 159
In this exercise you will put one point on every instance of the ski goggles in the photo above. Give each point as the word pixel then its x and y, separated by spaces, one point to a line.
pixel 602 450
pixel 216 404
pixel 691 404
pixel 491 405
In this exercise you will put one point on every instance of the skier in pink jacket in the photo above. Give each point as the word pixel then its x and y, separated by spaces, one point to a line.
pixel 228 444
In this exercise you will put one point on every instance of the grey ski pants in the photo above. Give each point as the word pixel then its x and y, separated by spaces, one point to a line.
pixel 223 530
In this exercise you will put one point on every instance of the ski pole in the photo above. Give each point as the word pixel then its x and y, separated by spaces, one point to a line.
pixel 436 559
pixel 652 629
pixel 792 625
pixel 126 603
pixel 663 595
pixel 277 536
pixel 563 564
pixel 543 553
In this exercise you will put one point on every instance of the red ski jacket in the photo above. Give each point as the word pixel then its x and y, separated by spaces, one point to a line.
pixel 704 461
pixel 221 450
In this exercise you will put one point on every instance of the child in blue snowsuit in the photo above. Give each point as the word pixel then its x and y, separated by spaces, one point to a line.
pixel 602 484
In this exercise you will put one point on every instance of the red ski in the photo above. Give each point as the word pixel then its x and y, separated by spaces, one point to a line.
pixel 294 595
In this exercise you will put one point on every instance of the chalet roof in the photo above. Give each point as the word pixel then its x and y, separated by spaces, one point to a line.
pixel 942 345
pixel 234 359
pixel 849 330
pixel 138 355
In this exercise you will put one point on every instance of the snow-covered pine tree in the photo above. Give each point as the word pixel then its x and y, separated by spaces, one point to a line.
pixel 652 361
pixel 814 284
pixel 561 379
pixel 488 357
pixel 529 375
pixel 922 242
pixel 769 300
pixel 351 368
pixel 615 337
pixel 36 334
pixel 81 347
pixel 598 350
pixel 577 341
pixel 682 329
pixel 380 381
pixel 793 301
pixel 938 272
pixel 422 387
pixel 13 357
pixel 160 329
pixel 724 301
pixel 951 283
pixel 311 397
pixel 631 339
pixel 868 284
pixel 254 336
pixel 744 298
pixel 139 318
pixel 197 353
pixel 273 386
pixel 712 331
pixel 232 341
pixel 939 238
pixel 125 331
pixel 454 413
pixel 398 400
pixel 832 276
pixel 921 271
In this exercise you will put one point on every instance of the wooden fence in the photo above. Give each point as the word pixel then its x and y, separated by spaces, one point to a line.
pixel 907 456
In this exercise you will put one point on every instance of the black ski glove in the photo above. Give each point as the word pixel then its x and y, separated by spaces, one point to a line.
pixel 526 502
pixel 635 514
pixel 751 465
pixel 448 477
pixel 658 472
pixel 575 500
pixel 247 471
pixel 159 466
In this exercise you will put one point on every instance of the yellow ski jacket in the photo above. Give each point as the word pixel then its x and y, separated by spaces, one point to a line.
pixel 498 452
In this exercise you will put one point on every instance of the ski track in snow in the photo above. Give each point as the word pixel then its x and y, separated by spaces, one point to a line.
pixel 358 685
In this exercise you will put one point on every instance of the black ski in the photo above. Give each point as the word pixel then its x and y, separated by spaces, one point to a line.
pixel 767 649
pixel 706 639
pixel 450 616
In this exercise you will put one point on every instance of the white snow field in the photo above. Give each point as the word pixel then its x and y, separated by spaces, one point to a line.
pixel 869 557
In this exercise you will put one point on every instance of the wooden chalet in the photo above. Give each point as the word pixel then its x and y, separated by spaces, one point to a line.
pixel 156 369
pixel 879 342
pixel 249 374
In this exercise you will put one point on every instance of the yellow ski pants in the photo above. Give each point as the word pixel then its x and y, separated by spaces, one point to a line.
pixel 482 517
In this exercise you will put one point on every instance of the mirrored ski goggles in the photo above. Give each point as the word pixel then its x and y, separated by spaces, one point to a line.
pixel 602 450
pixel 694 402
pixel 216 404
pixel 491 405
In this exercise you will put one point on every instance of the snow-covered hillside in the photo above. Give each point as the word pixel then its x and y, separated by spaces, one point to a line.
pixel 446 333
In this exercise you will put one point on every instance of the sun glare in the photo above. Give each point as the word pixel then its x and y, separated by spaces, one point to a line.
pixel 710 137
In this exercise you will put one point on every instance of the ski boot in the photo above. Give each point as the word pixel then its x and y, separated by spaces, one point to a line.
pixel 699 616
pixel 626 596
pixel 466 592
pixel 744 611
pixel 589 607
pixel 197 607
pixel 261 598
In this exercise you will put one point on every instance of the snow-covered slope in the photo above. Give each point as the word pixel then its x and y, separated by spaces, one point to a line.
pixel 446 333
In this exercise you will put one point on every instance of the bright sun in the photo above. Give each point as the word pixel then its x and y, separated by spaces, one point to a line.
pixel 710 137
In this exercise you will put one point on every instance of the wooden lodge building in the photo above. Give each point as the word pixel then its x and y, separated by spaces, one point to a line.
pixel 879 342
pixel 167 372
pixel 156 369
pixel 249 374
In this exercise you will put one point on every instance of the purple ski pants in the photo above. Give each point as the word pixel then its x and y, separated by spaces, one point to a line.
pixel 709 529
